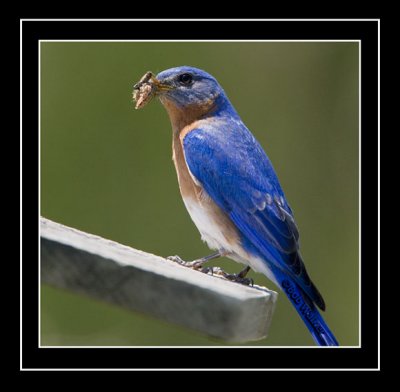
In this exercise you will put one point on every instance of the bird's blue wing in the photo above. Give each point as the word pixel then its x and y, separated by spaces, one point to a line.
pixel 237 174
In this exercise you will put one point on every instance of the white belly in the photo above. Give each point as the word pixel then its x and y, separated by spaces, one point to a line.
pixel 207 226
pixel 215 238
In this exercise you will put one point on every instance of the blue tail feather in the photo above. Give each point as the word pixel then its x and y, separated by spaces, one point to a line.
pixel 307 310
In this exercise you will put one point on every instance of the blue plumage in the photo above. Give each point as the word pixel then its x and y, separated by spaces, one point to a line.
pixel 233 173
pixel 233 169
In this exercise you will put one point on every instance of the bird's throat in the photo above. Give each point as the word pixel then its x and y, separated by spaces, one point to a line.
pixel 182 117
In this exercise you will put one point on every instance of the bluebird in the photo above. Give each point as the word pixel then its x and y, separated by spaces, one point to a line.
pixel 231 190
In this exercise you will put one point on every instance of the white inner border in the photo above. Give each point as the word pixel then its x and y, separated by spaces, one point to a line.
pixel 295 41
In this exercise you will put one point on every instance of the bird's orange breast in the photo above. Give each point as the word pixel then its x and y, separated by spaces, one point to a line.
pixel 193 193
pixel 183 121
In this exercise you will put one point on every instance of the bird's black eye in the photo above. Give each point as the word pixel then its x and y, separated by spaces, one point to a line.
pixel 185 79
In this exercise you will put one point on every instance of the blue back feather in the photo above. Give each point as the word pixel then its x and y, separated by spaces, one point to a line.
pixel 237 174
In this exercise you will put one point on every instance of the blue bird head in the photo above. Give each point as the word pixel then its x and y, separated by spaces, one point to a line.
pixel 188 86
pixel 187 93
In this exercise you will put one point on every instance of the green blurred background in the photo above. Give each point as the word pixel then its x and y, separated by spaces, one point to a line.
pixel 106 169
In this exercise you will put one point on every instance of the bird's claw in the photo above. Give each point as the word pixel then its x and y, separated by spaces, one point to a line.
pixel 236 278
pixel 176 259
pixel 208 270
pixel 191 264
pixel 198 266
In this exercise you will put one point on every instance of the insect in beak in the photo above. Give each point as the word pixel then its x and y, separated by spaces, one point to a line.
pixel 146 88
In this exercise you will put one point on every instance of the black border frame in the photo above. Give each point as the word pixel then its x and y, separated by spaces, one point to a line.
pixel 365 357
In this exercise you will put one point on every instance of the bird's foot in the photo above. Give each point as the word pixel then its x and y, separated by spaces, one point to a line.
pixel 195 264
pixel 198 263
pixel 208 270
pixel 238 278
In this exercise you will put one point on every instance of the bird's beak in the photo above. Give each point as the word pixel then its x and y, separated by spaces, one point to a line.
pixel 161 87
pixel 148 87
pixel 149 79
